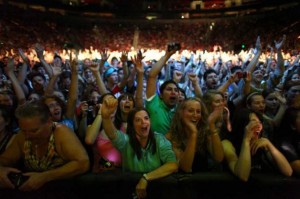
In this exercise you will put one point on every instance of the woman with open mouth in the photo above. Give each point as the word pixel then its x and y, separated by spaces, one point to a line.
pixel 142 150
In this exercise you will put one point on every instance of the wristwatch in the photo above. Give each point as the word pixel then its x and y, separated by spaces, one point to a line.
pixel 146 177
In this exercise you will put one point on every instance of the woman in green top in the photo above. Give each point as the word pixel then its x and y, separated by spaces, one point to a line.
pixel 142 149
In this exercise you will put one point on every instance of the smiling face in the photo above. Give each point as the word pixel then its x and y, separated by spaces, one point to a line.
pixel 141 124
pixel 192 112
pixel 217 101
pixel 257 75
pixel 257 129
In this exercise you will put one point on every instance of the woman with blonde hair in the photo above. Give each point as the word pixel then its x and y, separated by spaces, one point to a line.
pixel 194 136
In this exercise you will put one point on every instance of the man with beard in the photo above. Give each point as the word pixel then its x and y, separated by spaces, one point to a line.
pixel 161 106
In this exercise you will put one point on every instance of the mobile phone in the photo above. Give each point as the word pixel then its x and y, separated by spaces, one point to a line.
pixel 241 74
pixel 174 46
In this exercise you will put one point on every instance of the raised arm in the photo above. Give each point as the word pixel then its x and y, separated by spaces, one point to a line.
pixel 195 82
pixel 108 108
pixel 101 86
pixel 151 82
pixel 214 142
pixel 73 93
pixel 23 71
pixel 282 108
pixel 279 70
pixel 280 63
pixel 56 72
pixel 9 70
pixel 124 59
pixel 257 52
pixel 223 88
pixel 93 130
pixel 39 49
pixel 240 165
pixel 185 157
pixel 104 57
pixel 269 60
pixel 139 68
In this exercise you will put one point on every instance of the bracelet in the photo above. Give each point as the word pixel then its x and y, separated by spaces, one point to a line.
pixel 214 132
pixel 145 177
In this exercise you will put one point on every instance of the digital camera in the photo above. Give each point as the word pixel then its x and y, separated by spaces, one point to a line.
pixel 241 74
pixel 174 46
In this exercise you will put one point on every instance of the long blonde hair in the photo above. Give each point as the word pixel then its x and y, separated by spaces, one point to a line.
pixel 177 130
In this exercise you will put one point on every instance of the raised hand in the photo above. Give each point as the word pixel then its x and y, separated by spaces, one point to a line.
pixel 94 67
pixel 83 107
pixel 10 66
pixel 124 56
pixel 257 45
pixel 137 60
pixel 23 56
pixel 279 44
pixel 252 130
pixel 193 78
pixel 280 98
pixel 248 77
pixel 215 115
pixel 56 70
pixel 74 65
pixel 39 49
pixel 104 55
pixel 171 49
pixel 191 128
pixel 109 106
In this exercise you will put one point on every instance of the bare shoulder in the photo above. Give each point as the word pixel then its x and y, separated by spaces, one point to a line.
pixel 62 132
pixel 19 138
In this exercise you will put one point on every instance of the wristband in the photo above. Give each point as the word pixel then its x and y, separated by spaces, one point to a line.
pixel 146 177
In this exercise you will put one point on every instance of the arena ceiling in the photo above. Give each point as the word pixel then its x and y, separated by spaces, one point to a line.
pixel 155 9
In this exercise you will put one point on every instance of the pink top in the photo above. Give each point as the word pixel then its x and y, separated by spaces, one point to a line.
pixel 103 148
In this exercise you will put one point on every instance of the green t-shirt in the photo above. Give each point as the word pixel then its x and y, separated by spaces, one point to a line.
pixel 161 115
pixel 149 161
